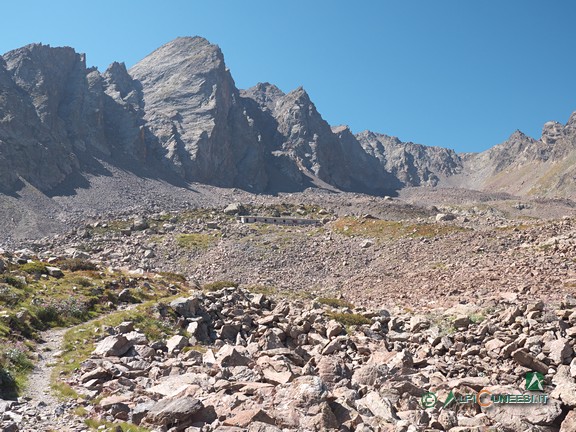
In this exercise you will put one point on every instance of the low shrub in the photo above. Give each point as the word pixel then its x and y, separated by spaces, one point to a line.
pixel 13 281
pixel 175 277
pixel 349 319
pixel 9 295
pixel 57 311
pixel 76 264
pixel 34 267
pixel 334 302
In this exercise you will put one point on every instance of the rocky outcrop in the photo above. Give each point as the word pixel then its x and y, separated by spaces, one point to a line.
pixel 34 143
pixel 412 164
pixel 58 115
pixel 304 146
pixel 195 111
pixel 124 111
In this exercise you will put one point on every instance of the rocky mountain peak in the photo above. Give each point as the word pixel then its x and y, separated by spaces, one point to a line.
pixel 193 109
pixel 45 73
pixel 265 94
pixel 118 75
pixel 300 95
pixel 194 55
pixel 368 135
pixel 572 120
pixel 518 134
pixel 341 129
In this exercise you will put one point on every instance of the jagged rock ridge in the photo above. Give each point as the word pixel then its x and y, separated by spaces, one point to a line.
pixel 178 114
pixel 179 107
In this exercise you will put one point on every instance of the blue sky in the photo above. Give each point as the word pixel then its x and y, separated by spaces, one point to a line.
pixel 460 73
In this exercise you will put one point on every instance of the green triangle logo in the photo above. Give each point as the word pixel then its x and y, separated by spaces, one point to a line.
pixel 449 399
pixel 534 381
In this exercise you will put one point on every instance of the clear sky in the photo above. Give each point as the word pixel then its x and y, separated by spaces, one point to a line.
pixel 462 74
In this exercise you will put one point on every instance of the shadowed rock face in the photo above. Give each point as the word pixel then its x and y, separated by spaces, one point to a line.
pixel 303 143
pixel 35 104
pixel 56 114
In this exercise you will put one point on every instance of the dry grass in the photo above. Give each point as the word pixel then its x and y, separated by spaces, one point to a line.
pixel 391 230
pixel 195 241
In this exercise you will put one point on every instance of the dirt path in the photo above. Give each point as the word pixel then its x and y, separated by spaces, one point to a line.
pixel 44 411
pixel 38 388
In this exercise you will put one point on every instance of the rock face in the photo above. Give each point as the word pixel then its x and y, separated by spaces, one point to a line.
pixel 412 164
pixel 32 135
pixel 195 111
pixel 57 115
pixel 303 146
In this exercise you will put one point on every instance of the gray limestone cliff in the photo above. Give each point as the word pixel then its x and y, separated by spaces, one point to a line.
pixel 194 109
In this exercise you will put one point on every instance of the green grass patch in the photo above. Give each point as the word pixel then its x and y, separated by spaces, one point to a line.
pixel 194 241
pixel 477 317
pixel 96 425
pixel 63 391
pixel 198 348
pixel 34 267
pixel 114 226
pixel 262 289
pixel 175 277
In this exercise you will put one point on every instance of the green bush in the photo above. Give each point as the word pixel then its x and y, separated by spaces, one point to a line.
pixel 81 281
pixel 7 382
pixel 34 267
pixel 349 319
pixel 60 311
pixel 13 281
pixel 18 359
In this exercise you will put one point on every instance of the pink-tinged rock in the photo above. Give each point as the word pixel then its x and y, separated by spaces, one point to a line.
pixel 112 346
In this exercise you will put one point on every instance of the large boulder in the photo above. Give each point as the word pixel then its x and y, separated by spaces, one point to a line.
pixel 178 413
pixel 113 346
